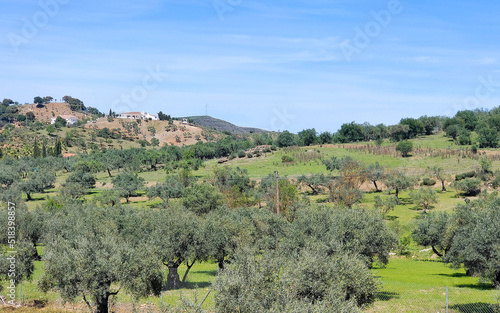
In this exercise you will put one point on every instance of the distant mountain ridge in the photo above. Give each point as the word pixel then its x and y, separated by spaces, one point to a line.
pixel 221 125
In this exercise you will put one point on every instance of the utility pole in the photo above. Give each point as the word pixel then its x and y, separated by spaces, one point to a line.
pixel 277 193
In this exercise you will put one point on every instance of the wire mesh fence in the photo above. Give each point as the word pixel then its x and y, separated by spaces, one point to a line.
pixel 453 299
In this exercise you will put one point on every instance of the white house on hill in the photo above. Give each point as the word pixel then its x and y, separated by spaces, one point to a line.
pixel 137 116
pixel 70 119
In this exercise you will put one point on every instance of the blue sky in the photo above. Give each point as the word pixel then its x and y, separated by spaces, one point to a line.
pixel 275 65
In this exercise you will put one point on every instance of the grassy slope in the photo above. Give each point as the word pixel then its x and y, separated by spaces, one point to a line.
pixel 408 285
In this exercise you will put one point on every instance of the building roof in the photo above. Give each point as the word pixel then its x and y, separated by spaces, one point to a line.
pixel 131 113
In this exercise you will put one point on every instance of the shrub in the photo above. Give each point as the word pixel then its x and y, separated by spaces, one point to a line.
pixel 469 186
pixel 496 182
pixel 286 159
pixel 232 156
pixel 428 182
pixel 241 154
pixel 405 147
pixel 249 155
pixel 274 148
pixel 465 175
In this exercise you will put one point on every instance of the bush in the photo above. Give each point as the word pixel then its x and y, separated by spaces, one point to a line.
pixel 428 182
pixel 496 182
pixel 469 186
pixel 405 147
pixel 267 150
pixel 232 156
pixel 465 175
pixel 241 154
pixel 249 155
pixel 286 159
pixel 473 149
pixel 274 148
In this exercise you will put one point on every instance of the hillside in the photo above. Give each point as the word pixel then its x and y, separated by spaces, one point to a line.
pixel 49 110
pixel 223 126
pixel 175 134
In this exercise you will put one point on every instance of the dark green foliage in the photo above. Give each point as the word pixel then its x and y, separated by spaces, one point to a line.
pixel 469 186
pixel 465 175
pixel 126 184
pixel 82 178
pixel 202 198
pixel 307 137
pixel 286 159
pixel 30 116
pixel 38 101
pixel 164 117
pixel 487 137
pixel 415 127
pixel 325 137
pixel 453 131
pixel 468 119
pixel 170 188
pixel 74 103
pixel 399 132
pixel 428 182
pixel 405 147
pixel 286 139
pixel 464 137
pixel 351 132
pixel 95 111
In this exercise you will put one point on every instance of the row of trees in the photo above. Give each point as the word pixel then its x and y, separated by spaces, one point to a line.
pixel 107 250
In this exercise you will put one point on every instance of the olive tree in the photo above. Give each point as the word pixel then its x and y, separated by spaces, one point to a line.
pixel 424 197
pixel 202 198
pixel 170 188
pixel 126 183
pixel 434 230
pixel 398 181
pixel 476 240
pixel 178 237
pixel 94 258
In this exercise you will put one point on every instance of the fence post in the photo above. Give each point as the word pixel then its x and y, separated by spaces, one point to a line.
pixel 446 299
pixel 20 293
